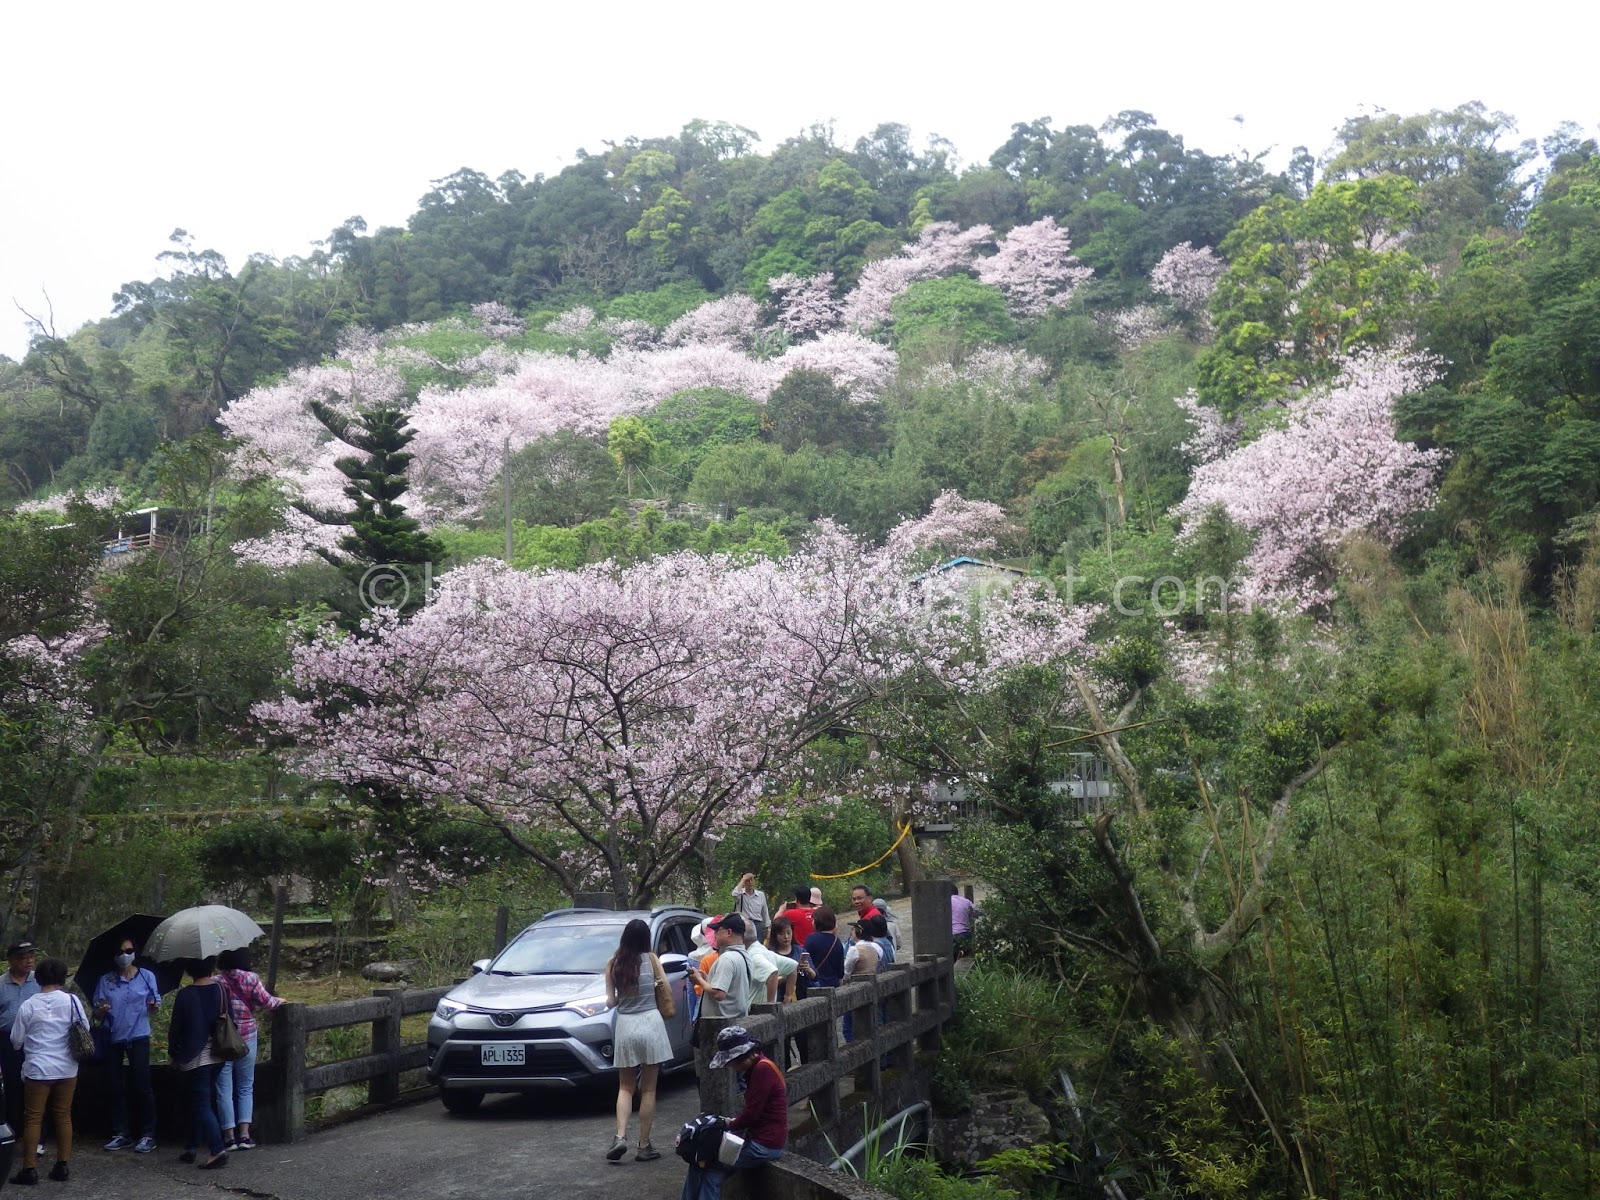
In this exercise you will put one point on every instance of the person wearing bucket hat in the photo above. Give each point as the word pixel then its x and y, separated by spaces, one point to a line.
pixel 764 1119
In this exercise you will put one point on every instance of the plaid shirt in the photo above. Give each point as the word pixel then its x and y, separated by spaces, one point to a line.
pixel 246 993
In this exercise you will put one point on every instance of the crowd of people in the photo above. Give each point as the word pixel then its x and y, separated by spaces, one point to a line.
pixel 750 954
pixel 40 1009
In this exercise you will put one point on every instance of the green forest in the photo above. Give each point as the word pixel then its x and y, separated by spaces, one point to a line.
pixel 1295 475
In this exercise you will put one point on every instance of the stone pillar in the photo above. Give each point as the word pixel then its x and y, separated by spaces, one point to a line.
pixel 603 900
pixel 718 1092
pixel 930 917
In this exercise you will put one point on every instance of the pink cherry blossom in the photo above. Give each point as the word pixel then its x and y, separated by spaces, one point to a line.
pixel 940 249
pixel 1133 327
pixel 861 366
pixel 1034 268
pixel 1210 434
pixel 633 711
pixel 1335 469
pixel 730 321
pixel 1189 276
pixel 498 321
pixel 571 323
pixel 805 307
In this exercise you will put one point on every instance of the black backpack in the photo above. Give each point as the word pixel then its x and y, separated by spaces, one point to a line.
pixel 699 1140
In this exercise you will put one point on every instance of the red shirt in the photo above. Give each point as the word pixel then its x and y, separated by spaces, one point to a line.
pixel 870 911
pixel 801 919
pixel 765 1116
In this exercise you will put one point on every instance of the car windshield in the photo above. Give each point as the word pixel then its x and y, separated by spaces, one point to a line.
pixel 559 950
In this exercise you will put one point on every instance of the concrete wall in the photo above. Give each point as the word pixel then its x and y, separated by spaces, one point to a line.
pixel 796 1178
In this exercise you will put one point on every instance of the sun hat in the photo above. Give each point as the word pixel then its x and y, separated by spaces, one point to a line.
pixel 733 1043
pixel 816 895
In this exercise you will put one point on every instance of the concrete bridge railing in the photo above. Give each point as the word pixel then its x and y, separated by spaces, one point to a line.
pixel 845 1090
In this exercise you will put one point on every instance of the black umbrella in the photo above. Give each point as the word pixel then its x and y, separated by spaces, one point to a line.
pixel 102 952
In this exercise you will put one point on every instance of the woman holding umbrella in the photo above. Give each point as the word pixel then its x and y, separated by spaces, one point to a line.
pixel 194 1018
pixel 125 999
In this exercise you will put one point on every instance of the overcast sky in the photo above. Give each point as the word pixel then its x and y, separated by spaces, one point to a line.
pixel 260 127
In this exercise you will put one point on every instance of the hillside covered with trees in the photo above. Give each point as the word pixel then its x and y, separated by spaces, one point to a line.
pixel 591 528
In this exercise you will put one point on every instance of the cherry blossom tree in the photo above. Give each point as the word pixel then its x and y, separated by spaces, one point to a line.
pixel 1334 470
pixel 608 721
pixel 1211 435
pixel 805 306
pixel 498 321
pixel 572 323
pixel 942 248
pixel 1188 276
pixel 728 321
pixel 1034 268
pixel 859 365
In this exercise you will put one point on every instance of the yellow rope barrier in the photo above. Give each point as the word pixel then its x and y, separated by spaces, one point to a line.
pixel 905 829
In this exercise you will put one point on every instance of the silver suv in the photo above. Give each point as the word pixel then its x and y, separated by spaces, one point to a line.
pixel 534 1017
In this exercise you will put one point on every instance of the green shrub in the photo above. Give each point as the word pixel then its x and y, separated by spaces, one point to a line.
pixel 1012 1029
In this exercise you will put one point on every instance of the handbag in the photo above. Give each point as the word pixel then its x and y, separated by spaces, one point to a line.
pixel 227 1043
pixel 665 1005
pixel 80 1039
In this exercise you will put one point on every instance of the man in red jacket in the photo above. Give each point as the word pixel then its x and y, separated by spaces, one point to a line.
pixel 763 1121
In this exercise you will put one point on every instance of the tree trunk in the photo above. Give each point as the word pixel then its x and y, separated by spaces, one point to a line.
pixel 910 860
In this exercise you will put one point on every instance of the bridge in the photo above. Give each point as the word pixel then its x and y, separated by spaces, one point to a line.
pixel 534 1146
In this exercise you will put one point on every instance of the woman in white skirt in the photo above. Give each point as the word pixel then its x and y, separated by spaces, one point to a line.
pixel 633 976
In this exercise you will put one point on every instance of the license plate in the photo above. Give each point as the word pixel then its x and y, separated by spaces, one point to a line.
pixel 503 1056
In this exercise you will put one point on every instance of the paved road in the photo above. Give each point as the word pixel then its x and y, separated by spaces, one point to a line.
pixel 513 1147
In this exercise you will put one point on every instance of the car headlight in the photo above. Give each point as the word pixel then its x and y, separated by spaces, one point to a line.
pixel 449 1009
pixel 591 1007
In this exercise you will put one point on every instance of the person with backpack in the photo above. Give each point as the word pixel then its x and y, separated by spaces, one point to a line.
pixel 764 1119
pixel 731 983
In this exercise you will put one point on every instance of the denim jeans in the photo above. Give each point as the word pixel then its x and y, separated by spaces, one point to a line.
pixel 707 1184
pixel 202 1108
pixel 236 1087
pixel 118 1075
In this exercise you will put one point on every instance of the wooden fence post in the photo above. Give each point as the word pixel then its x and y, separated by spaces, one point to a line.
pixel 280 900
pixel 385 1088
pixel 502 926
pixel 289 1050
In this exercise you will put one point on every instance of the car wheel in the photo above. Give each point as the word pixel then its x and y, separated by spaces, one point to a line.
pixel 459 1102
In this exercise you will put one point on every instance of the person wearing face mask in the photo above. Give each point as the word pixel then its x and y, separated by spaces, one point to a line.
pixel 124 1000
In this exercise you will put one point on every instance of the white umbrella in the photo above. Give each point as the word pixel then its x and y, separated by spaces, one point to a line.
pixel 201 932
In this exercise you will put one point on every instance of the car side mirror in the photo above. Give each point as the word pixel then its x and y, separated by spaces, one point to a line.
pixel 674 964
pixel 479 967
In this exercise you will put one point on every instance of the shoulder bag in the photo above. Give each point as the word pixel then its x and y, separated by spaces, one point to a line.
pixel 665 1005
pixel 227 1043
pixel 80 1039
